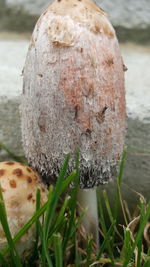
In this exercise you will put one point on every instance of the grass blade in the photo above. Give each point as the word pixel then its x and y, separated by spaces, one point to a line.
pixel 89 251
pixel 106 240
pixel 38 226
pixel 68 180
pixel 45 255
pixel 127 243
pixel 60 215
pixel 55 198
pixel 118 197
pixel 26 227
pixel 101 215
pixel 104 229
pixel 120 176
pixel 139 245
pixel 111 217
pixel 146 264
pixel 72 204
pixel 58 250
pixel 51 209
pixel 3 218
pixel 38 199
pixel 139 235
pixel 3 262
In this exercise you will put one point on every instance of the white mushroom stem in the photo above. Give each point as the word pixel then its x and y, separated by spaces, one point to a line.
pixel 73 96
pixel 88 201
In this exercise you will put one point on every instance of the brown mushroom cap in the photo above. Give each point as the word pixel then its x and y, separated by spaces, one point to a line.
pixel 73 93
pixel 19 184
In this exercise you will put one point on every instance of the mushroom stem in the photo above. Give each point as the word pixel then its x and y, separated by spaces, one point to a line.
pixel 88 200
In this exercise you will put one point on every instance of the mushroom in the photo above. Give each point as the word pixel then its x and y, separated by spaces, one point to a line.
pixel 19 184
pixel 73 96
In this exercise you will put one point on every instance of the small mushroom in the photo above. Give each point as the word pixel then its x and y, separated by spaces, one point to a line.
pixel 19 184
pixel 73 95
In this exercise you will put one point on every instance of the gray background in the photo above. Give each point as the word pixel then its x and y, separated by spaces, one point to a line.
pixel 127 13
pixel 131 19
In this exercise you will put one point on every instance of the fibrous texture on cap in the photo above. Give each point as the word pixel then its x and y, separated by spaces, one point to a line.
pixel 73 94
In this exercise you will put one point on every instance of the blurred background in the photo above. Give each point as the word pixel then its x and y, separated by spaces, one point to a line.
pixel 131 19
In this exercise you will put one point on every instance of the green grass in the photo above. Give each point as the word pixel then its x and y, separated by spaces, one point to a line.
pixel 58 238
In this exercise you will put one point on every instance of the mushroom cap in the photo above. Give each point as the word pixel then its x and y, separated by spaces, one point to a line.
pixel 73 93
pixel 19 184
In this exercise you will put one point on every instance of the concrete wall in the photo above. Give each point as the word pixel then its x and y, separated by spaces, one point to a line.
pixel 132 19
pixel 129 13
pixel 2 3
pixel 137 58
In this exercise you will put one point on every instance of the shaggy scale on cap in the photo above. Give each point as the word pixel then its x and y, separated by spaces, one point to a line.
pixel 73 93
pixel 19 184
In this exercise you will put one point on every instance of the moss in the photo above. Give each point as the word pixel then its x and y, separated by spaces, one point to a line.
pixel 16 19
pixel 10 132
pixel 2 3
pixel 135 35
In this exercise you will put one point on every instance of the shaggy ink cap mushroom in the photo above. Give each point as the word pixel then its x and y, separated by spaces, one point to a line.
pixel 73 93
pixel 19 184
